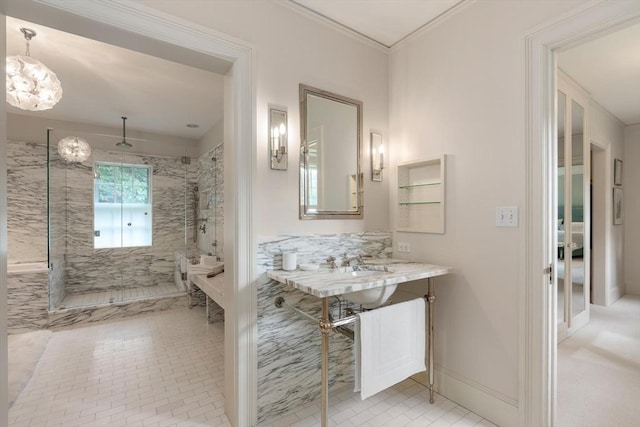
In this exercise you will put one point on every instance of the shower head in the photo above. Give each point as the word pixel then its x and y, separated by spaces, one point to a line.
pixel 124 142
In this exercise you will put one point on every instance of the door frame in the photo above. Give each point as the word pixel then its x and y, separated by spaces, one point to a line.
pixel 537 323
pixel 600 265
pixel 240 246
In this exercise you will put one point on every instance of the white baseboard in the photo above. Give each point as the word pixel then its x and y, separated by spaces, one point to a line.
pixel 615 294
pixel 489 404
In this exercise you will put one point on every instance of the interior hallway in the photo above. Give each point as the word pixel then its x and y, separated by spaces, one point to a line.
pixel 599 369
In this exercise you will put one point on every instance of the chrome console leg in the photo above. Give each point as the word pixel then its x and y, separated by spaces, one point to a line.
pixel 325 329
pixel 431 299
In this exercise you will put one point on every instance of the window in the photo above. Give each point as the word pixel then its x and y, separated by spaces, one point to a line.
pixel 122 205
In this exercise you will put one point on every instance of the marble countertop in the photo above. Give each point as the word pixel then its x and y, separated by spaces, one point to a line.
pixel 326 282
pixel 212 286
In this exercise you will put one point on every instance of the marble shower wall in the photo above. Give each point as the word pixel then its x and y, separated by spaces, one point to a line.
pixel 27 300
pixel 289 346
pixel 93 270
pixel 26 202
pixel 211 205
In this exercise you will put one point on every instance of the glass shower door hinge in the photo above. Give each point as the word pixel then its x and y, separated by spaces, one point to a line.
pixel 549 271
pixel 96 233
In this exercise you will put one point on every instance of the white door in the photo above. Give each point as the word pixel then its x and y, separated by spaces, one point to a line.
pixel 573 213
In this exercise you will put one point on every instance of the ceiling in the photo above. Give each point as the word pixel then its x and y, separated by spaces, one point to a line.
pixel 386 22
pixel 103 82
pixel 609 68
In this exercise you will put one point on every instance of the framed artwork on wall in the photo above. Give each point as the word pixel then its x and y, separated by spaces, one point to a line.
pixel 617 206
pixel 617 172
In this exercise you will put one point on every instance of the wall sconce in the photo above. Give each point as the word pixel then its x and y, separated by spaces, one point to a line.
pixel 377 156
pixel 278 151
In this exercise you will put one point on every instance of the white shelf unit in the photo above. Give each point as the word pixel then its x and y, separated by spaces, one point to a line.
pixel 421 192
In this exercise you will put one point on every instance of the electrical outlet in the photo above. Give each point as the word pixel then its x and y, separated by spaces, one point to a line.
pixel 507 216
pixel 403 247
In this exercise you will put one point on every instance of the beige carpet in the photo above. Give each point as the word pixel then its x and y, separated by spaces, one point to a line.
pixel 24 352
pixel 599 369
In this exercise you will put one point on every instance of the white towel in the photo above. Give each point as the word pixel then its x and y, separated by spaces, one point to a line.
pixel 389 346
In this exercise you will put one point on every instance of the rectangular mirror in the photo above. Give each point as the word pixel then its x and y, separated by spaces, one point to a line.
pixel 330 164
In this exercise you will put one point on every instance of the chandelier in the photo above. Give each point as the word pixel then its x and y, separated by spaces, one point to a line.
pixel 30 84
pixel 74 149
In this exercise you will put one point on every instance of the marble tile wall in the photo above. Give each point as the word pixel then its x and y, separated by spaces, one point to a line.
pixel 72 316
pixel 27 301
pixel 70 205
pixel 26 202
pixel 89 269
pixel 27 293
pixel 289 346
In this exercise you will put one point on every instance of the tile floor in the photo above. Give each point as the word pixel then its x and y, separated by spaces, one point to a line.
pixel 160 369
pixel 166 369
pixel 406 404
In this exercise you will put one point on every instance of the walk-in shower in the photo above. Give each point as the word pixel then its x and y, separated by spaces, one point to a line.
pixel 115 222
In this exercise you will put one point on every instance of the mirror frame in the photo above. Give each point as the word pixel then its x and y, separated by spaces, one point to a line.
pixel 357 213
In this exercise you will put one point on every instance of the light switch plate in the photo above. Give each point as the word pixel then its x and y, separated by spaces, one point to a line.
pixel 507 216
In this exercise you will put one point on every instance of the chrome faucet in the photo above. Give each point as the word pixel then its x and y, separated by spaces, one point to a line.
pixel 332 262
pixel 346 261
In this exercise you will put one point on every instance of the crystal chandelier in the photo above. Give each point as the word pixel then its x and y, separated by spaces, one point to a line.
pixel 30 84
pixel 74 149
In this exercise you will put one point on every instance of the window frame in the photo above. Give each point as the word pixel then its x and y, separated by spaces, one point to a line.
pixel 122 204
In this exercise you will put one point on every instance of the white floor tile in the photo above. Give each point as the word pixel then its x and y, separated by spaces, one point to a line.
pixel 161 368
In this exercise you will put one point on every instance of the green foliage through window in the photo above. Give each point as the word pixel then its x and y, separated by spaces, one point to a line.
pixel 122 183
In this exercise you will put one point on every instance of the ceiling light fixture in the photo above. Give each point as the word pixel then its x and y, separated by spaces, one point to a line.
pixel 30 84
pixel 74 149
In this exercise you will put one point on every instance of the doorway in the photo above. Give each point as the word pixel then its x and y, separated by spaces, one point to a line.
pixel 538 320
pixel 130 21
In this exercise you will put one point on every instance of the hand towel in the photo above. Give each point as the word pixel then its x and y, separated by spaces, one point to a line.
pixel 389 346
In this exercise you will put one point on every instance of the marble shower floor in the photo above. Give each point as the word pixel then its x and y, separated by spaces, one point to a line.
pixel 119 295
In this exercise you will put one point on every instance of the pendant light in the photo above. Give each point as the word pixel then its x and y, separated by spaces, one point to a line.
pixel 30 84
pixel 74 149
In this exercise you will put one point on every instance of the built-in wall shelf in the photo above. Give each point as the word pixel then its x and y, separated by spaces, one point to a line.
pixel 421 196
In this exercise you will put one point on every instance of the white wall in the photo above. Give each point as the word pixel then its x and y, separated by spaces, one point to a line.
pixel 291 49
pixel 211 139
pixel 631 184
pixel 459 88
pixel 607 131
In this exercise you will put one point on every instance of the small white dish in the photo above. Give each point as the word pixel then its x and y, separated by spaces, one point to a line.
pixel 309 267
